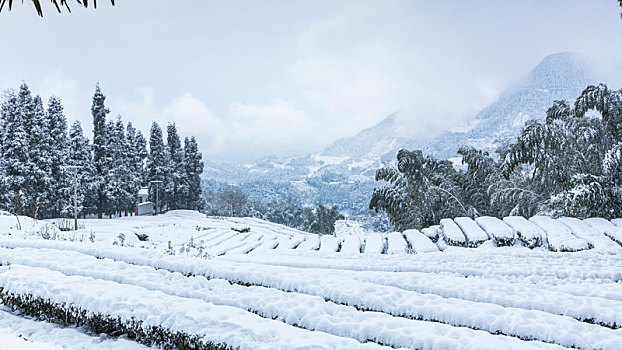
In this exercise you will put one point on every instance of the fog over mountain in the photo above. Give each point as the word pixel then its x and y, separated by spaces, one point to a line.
pixel 351 162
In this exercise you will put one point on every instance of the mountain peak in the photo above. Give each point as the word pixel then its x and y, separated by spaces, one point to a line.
pixel 374 141
pixel 562 70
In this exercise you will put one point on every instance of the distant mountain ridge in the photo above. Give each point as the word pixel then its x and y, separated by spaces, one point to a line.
pixel 560 76
pixel 348 165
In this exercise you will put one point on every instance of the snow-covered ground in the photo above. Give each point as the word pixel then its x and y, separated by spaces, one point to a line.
pixel 252 284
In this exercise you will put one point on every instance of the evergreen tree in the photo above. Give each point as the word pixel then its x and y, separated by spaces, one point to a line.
pixel 39 181
pixel 158 166
pixel 15 155
pixel 140 146
pixel 176 183
pixel 137 152
pixel 100 143
pixel 322 220
pixel 193 162
pixel 61 189
pixel 118 177
pixel 80 154
pixel 20 119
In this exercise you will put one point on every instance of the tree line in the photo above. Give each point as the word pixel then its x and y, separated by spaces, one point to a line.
pixel 234 201
pixel 38 150
pixel 568 164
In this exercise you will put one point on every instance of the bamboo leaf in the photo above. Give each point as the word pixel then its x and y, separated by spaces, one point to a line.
pixel 37 7
pixel 56 4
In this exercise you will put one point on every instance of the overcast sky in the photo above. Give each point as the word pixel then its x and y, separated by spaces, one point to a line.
pixel 256 78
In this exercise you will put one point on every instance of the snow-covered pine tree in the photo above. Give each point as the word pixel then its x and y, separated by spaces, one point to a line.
pixel 321 220
pixel 118 177
pixel 175 185
pixel 128 192
pixel 140 146
pixel 19 163
pixel 193 162
pixel 158 166
pixel 80 155
pixel 14 147
pixel 39 180
pixel 137 152
pixel 61 191
pixel 99 112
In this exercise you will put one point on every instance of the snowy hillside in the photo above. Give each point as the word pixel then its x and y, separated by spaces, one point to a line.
pixel 250 284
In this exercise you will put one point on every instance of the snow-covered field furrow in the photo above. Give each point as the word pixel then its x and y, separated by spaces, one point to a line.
pixel 452 234
pixel 474 234
pixel 311 243
pixel 495 267
pixel 267 245
pixel 207 235
pixel 338 288
pixel 493 263
pixel 11 341
pixel 419 242
pixel 537 256
pixel 329 244
pixel 223 236
pixel 251 242
pixel 374 244
pixel 351 245
pixel 311 312
pixel 525 296
pixel 287 243
pixel 262 226
pixel 599 310
pixel 214 323
pixel 526 231
pixel 396 243
pixel 593 236
pixel 611 229
pixel 431 232
pixel 502 234
pixel 534 257
pixel 559 236
pixel 234 242
pixel 23 333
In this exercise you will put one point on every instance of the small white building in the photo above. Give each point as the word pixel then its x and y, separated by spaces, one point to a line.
pixel 145 207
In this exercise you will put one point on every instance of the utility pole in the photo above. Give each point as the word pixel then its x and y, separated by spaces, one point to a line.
pixel 157 182
pixel 75 193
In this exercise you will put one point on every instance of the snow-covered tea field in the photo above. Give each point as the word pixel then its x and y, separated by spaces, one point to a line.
pixel 181 279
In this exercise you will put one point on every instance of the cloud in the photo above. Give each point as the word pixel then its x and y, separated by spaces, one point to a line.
pixel 191 116
pixel 350 71
pixel 345 77
pixel 245 132
pixel 275 127
pixel 75 101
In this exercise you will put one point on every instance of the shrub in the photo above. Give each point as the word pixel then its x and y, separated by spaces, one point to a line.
pixel 97 323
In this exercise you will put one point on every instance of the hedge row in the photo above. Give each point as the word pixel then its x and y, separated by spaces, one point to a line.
pixel 97 323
